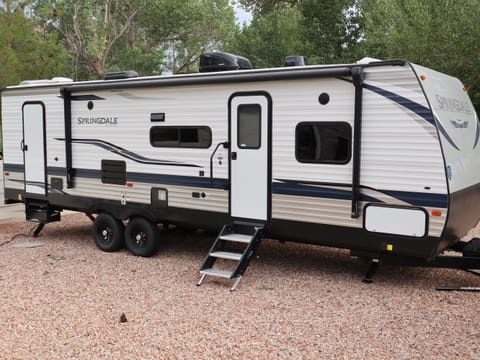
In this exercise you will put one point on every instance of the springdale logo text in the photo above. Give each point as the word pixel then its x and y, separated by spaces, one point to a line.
pixel 97 120
pixel 451 104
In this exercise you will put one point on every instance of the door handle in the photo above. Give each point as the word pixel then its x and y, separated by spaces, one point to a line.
pixel 23 146
pixel 234 155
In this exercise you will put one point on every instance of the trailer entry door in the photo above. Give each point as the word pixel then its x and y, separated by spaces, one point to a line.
pixel 33 146
pixel 249 156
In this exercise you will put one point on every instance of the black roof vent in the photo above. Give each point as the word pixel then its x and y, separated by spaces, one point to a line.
pixel 120 75
pixel 295 61
pixel 222 61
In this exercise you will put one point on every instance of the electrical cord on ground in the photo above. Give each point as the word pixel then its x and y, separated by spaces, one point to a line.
pixel 18 235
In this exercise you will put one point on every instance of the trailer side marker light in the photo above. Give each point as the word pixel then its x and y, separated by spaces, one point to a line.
pixel 423 77
pixel 389 247
pixel 6 173
pixel 129 185
pixel 436 213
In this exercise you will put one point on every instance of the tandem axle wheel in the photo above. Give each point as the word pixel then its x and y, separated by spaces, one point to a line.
pixel 140 236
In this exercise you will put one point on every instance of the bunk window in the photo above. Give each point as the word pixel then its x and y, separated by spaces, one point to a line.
pixel 323 142
pixel 249 126
pixel 181 136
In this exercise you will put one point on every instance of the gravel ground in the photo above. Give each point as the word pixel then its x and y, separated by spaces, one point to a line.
pixel 65 300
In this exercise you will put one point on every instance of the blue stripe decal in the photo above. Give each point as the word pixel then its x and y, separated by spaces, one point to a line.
pixel 418 109
pixel 192 181
pixel 292 188
pixel 128 154
pixel 445 134
pixel 413 106
pixel 412 198
pixel 317 191
pixel 420 199
pixel 13 167
pixel 56 171
pixel 477 135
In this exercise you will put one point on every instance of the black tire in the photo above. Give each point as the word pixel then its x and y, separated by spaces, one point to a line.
pixel 142 237
pixel 108 232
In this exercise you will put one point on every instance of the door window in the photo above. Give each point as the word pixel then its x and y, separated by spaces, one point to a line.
pixel 249 126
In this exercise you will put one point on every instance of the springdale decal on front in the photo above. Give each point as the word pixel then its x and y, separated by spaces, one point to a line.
pixel 451 104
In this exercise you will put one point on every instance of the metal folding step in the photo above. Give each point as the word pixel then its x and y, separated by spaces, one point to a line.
pixel 227 255
pixel 235 246
pixel 237 237
pixel 42 212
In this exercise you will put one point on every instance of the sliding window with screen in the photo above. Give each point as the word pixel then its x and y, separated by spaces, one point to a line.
pixel 181 136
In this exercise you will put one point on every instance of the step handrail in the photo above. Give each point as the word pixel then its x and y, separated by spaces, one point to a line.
pixel 225 146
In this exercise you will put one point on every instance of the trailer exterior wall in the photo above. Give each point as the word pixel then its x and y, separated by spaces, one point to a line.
pixel 402 163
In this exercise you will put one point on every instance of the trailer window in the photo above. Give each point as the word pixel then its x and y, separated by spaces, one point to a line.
pixel 181 136
pixel 249 126
pixel 323 142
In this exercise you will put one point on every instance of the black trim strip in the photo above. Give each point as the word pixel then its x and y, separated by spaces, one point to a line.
pixel 358 77
pixel 232 76
pixel 214 78
pixel 85 97
pixel 67 106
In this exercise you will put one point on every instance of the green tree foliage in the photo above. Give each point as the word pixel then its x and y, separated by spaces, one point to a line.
pixel 266 6
pixel 147 36
pixel 326 31
pixel 441 34
pixel 332 29
pixel 185 29
pixel 269 38
pixel 90 28
pixel 27 51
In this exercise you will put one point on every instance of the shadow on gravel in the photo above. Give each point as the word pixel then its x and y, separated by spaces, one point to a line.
pixel 289 259
pixel 275 258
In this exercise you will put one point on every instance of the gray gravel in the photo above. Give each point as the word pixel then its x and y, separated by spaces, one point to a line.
pixel 65 300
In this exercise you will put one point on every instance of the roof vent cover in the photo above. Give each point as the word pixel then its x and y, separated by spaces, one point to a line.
pixel 120 75
pixel 222 61
pixel 295 61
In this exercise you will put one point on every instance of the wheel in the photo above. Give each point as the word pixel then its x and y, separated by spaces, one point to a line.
pixel 108 232
pixel 141 237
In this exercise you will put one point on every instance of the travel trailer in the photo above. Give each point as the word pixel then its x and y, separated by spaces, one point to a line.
pixel 379 157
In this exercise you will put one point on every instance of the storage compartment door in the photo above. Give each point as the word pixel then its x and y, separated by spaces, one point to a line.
pixel 396 220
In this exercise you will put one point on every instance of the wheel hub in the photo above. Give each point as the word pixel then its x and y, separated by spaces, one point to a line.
pixel 141 239
pixel 107 234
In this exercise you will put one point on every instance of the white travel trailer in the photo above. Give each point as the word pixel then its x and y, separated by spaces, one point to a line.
pixel 379 157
